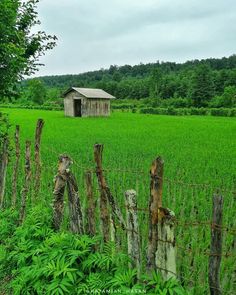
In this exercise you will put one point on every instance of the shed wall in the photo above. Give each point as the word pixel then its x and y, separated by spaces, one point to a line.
pixel 69 103
pixel 97 108
pixel 89 107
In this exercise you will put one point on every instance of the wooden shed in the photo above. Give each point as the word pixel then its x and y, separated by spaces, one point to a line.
pixel 87 102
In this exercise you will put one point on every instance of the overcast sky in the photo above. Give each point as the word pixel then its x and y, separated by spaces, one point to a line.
pixel 94 34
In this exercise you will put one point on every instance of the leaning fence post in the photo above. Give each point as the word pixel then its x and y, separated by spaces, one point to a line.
pixel 3 168
pixel 59 189
pixel 38 133
pixel 104 187
pixel 90 212
pixel 156 185
pixel 75 211
pixel 216 246
pixel 105 220
pixel 26 181
pixel 133 237
pixel 16 167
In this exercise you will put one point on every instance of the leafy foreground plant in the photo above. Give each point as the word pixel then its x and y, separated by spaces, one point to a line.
pixel 36 260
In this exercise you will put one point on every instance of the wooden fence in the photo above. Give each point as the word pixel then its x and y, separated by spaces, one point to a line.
pixel 115 223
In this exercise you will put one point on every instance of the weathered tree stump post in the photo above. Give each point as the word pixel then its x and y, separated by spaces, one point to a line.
pixel 106 194
pixel 216 246
pixel 90 212
pixel 38 135
pixel 156 186
pixel 75 211
pixel 161 240
pixel 26 181
pixel 113 228
pixel 16 167
pixel 59 189
pixel 133 237
pixel 3 168
pixel 105 219
pixel 165 256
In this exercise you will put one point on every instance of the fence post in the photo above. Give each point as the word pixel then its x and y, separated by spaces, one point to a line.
pixel 216 246
pixel 113 228
pixel 133 237
pixel 98 149
pixel 105 219
pixel 75 211
pixel 59 189
pixel 3 168
pixel 26 181
pixel 165 256
pixel 16 167
pixel 156 185
pixel 38 134
pixel 90 212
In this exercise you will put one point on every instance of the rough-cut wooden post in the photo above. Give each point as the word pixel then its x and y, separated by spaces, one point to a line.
pixel 75 211
pixel 59 189
pixel 16 167
pixel 105 219
pixel 216 246
pixel 133 237
pixel 113 228
pixel 98 149
pixel 115 208
pixel 90 212
pixel 26 181
pixel 3 168
pixel 165 256
pixel 38 133
pixel 156 186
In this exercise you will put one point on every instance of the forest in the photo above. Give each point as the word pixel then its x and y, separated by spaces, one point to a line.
pixel 198 83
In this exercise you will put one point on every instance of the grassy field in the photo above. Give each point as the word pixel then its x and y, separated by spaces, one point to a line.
pixel 199 154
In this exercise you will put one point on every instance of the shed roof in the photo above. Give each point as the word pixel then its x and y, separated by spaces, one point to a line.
pixel 90 93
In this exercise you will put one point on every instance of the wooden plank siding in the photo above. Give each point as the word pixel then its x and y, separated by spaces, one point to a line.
pixel 90 107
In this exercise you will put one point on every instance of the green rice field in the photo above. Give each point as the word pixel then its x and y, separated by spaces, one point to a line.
pixel 200 160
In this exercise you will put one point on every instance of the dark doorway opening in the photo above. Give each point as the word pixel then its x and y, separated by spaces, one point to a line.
pixel 77 107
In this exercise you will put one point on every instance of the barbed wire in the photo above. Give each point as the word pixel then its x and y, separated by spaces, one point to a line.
pixel 191 251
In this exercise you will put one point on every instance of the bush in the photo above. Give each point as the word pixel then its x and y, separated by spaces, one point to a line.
pixel 33 107
pixel 40 261
pixel 190 111
pixel 232 112
pixel 220 112
pixel 198 111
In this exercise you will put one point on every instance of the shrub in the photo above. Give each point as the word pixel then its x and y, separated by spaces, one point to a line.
pixel 220 112
pixel 232 112
pixel 40 261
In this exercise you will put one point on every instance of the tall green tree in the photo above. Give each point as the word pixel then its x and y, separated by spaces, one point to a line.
pixel 20 49
pixel 37 92
pixel 202 88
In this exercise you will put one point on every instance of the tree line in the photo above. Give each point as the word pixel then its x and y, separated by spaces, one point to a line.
pixel 200 83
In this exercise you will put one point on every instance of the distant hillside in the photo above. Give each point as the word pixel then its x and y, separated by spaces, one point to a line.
pixel 135 81
pixel 197 80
